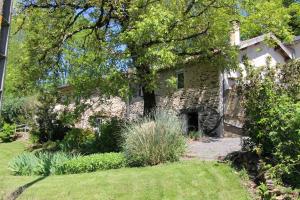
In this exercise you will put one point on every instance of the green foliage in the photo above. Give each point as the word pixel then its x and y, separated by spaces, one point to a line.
pixel 171 84
pixel 264 192
pixel 48 125
pixel 16 109
pixel 195 135
pixel 150 142
pixel 79 140
pixel 261 17
pixel 273 114
pixel 17 84
pixel 96 46
pixel 294 11
pixel 110 138
pixel 24 164
pixel 39 163
pixel 85 141
pixel 290 79
pixel 94 162
pixel 7 132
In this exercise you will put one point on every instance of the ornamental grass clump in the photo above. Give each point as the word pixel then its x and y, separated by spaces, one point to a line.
pixel 156 140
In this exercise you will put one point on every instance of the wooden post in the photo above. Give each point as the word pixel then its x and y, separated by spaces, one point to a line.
pixel 5 19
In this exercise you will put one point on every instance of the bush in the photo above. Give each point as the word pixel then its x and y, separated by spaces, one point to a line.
pixel 150 142
pixel 110 138
pixel 94 162
pixel 48 127
pixel 39 163
pixel 87 142
pixel 273 122
pixel 79 140
pixel 18 109
pixel 7 132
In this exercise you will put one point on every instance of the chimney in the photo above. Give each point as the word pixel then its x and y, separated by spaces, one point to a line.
pixel 235 38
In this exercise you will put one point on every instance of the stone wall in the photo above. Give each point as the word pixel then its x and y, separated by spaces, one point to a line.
pixel 103 108
pixel 202 94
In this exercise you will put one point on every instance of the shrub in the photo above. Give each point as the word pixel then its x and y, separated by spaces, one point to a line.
pixel 79 140
pixel 39 163
pixel 87 142
pixel 49 146
pixel 273 122
pixel 150 142
pixel 94 162
pixel 7 132
pixel 48 127
pixel 110 138
pixel 18 109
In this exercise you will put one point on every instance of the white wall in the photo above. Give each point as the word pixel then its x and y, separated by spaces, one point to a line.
pixel 297 50
pixel 258 54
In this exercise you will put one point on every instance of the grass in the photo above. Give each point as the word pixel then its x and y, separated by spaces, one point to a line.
pixel 8 182
pixel 182 180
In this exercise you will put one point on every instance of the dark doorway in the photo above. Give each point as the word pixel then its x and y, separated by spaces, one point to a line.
pixel 193 122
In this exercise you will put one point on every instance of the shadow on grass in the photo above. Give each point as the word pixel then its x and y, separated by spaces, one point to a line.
pixel 15 194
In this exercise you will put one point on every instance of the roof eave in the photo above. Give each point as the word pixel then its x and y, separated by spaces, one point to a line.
pixel 253 41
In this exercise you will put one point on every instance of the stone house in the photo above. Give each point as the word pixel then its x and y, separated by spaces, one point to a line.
pixel 204 97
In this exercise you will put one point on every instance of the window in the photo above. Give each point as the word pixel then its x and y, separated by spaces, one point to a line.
pixel 180 80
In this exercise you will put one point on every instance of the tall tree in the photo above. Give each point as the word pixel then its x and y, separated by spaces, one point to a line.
pixel 261 16
pixel 294 11
pixel 14 82
pixel 96 41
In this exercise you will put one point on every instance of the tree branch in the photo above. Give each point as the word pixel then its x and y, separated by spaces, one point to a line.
pixel 188 37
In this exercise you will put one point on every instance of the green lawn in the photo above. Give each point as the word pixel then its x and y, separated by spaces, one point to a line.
pixel 184 180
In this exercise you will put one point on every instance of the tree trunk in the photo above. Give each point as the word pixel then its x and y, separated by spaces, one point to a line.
pixel 144 76
pixel 149 101
pixel 144 79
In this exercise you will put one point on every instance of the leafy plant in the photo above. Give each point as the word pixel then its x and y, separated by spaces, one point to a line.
pixel 150 142
pixel 7 132
pixel 79 140
pixel 48 126
pixel 93 163
pixel 39 163
pixel 273 119
pixel 110 138
pixel 24 164
pixel 195 135
pixel 264 192
pixel 17 109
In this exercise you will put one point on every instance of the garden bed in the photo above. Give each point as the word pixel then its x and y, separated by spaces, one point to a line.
pixel 182 180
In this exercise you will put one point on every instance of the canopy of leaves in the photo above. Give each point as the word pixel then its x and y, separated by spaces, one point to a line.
pixel 105 46
pixel 280 17
pixel 94 43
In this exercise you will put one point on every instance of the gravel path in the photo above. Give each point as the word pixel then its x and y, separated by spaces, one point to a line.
pixel 213 148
